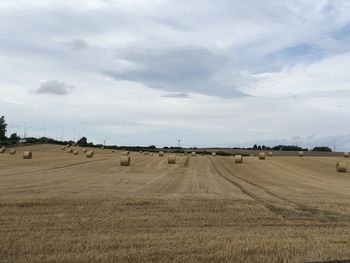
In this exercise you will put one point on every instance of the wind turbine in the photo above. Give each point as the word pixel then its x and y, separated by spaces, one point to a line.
pixel 104 141
pixel 178 142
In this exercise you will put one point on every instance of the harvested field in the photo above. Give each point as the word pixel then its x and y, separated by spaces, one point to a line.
pixel 57 207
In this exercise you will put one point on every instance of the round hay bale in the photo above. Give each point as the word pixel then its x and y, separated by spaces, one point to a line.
pixel 171 158
pixel 213 154
pixel 341 167
pixel 151 154
pixel 76 152
pixel 63 148
pixel 270 154
pixel 262 156
pixel 161 153
pixel 125 153
pixel 2 149
pixel 90 154
pixel 102 148
pixel 113 151
pixel 125 160
pixel 301 154
pixel 84 150
pixel 145 153
pixel 346 155
pixel 70 150
pixel 238 158
pixel 193 153
pixel 27 155
pixel 13 151
pixel 68 145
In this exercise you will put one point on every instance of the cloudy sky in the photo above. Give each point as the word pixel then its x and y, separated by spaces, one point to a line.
pixel 213 73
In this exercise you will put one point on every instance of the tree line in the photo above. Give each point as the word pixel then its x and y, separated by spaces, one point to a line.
pixel 83 142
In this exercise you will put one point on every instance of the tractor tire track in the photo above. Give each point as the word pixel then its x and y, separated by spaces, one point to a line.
pixel 286 209
pixel 293 206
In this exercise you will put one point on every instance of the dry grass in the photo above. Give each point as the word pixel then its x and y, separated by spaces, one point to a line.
pixel 57 208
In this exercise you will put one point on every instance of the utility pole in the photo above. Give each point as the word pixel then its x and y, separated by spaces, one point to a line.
pixel 44 128
pixel 25 129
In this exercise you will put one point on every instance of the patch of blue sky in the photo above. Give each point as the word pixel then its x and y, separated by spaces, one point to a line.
pixel 341 34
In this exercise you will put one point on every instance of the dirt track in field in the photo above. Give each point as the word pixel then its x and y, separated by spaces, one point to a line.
pixel 61 207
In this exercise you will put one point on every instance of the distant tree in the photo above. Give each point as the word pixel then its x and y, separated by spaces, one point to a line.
pixel 14 138
pixel 3 127
pixel 321 149
pixel 152 147
pixel 255 147
pixel 82 142
pixel 289 148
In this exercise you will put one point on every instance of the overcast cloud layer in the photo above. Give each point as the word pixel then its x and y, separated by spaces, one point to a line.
pixel 214 73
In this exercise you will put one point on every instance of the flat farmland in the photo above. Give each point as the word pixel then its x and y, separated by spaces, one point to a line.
pixel 67 208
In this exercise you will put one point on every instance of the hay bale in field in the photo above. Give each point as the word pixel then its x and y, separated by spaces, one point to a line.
pixel 301 154
pixel 161 153
pixel 145 153
pixel 27 155
pixel 76 152
pixel 68 145
pixel 13 151
pixel 84 150
pixel 90 154
pixel 125 153
pixel 151 154
pixel 2 149
pixel 213 154
pixel 63 148
pixel 341 167
pixel 262 156
pixel 102 148
pixel 113 151
pixel 270 154
pixel 346 155
pixel 171 158
pixel 238 158
pixel 125 160
pixel 70 150
pixel 193 153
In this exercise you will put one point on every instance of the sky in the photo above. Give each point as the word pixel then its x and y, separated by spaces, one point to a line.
pixel 212 73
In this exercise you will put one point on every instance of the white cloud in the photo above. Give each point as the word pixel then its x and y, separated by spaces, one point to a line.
pixel 329 74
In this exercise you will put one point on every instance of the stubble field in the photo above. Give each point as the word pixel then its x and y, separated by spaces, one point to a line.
pixel 61 207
